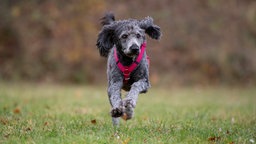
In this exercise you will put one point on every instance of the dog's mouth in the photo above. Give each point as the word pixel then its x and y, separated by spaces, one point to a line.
pixel 132 54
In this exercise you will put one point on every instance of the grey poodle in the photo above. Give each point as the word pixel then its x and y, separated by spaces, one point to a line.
pixel 124 43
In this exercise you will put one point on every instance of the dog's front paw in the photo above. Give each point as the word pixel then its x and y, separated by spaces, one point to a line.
pixel 129 106
pixel 116 112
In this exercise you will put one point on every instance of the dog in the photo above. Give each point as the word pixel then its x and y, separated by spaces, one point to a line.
pixel 123 42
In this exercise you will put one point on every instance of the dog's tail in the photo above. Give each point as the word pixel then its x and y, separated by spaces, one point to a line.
pixel 108 19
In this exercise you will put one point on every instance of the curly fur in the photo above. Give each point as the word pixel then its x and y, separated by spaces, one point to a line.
pixel 126 36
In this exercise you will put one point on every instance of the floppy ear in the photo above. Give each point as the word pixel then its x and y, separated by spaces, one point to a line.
pixel 150 28
pixel 105 40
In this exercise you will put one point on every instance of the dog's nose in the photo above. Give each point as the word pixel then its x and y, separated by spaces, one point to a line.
pixel 134 49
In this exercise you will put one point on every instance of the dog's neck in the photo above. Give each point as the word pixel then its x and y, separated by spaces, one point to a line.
pixel 125 60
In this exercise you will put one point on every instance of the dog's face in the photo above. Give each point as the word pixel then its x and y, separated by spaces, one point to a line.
pixel 126 35
pixel 130 39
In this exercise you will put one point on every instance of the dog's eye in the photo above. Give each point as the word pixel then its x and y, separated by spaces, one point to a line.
pixel 138 35
pixel 124 36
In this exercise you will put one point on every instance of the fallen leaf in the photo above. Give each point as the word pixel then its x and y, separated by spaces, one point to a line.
pixel 17 110
pixel 145 140
pixel 28 129
pixel 46 123
pixel 4 121
pixel 126 141
pixel 214 138
pixel 93 121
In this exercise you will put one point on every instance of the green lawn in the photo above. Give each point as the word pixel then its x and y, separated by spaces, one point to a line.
pixel 33 113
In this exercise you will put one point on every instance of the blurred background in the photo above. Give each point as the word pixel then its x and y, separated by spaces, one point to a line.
pixel 204 42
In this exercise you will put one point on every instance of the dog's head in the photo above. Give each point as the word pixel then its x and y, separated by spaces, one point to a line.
pixel 126 35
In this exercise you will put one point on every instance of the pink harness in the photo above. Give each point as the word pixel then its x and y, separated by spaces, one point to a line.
pixel 127 70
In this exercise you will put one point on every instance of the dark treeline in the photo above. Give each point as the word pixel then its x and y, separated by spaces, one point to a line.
pixel 203 42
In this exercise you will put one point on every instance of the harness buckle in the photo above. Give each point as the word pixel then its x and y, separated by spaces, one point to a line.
pixel 126 74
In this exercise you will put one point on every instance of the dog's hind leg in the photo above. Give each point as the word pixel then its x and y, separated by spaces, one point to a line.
pixel 130 101
pixel 115 121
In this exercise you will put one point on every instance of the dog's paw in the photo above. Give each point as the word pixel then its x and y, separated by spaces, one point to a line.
pixel 129 106
pixel 116 112
pixel 128 103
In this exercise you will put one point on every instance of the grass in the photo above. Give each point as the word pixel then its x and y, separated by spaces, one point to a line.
pixel 40 113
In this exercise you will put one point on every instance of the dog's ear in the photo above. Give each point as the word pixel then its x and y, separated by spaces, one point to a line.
pixel 109 18
pixel 105 39
pixel 150 28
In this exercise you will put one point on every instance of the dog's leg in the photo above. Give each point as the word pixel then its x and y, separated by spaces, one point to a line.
pixel 130 101
pixel 115 121
pixel 114 93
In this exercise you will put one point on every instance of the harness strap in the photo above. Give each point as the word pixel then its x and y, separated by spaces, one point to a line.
pixel 127 70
